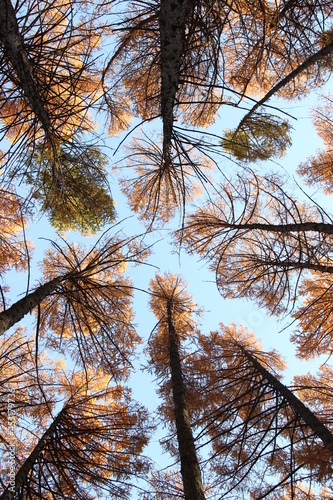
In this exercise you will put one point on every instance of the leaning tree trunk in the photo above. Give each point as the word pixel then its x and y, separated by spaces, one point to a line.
pixel 297 227
pixel 320 430
pixel 321 54
pixel 14 48
pixel 172 37
pixel 17 311
pixel 23 472
pixel 190 469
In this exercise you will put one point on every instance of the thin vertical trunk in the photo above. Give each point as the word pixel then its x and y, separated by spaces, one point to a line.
pixel 17 311
pixel 190 469
pixel 300 409
pixel 172 36
pixel 22 474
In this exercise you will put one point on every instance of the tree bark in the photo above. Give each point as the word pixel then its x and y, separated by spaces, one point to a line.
pixel 190 469
pixel 172 36
pixel 320 430
pixel 289 264
pixel 318 227
pixel 17 311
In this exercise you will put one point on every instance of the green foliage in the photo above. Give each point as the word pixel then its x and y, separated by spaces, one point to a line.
pixel 258 137
pixel 71 185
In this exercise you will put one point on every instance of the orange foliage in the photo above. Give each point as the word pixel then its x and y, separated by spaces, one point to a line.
pixel 259 240
pixel 58 52
pixel 159 187
pixel 319 168
pixel 14 250
pixel 314 336
pixel 91 313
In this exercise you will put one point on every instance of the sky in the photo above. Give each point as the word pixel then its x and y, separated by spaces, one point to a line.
pixel 200 280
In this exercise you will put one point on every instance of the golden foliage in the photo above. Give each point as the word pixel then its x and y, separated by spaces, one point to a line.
pixel 59 47
pixel 90 316
pixel 14 248
pixel 256 238
pixel 314 335
pixel 161 187
pixel 318 169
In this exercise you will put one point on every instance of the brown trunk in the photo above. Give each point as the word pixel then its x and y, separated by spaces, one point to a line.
pixel 321 268
pixel 190 469
pixel 318 56
pixel 17 311
pixel 320 430
pixel 14 48
pixel 172 36
pixel 318 227
pixel 24 470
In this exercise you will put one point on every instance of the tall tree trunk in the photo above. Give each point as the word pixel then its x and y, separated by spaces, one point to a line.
pixel 300 409
pixel 22 474
pixel 317 227
pixel 14 48
pixel 190 469
pixel 172 36
pixel 321 268
pixel 17 311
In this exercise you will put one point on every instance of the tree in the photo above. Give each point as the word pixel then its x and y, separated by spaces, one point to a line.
pixel 46 79
pixel 156 192
pixel 86 303
pixel 213 50
pixel 237 405
pixel 250 418
pixel 14 248
pixel 234 428
pixel 266 246
pixel 258 237
pixel 95 439
pixel 173 307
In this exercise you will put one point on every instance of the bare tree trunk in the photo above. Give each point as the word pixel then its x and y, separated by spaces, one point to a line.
pixel 300 409
pixel 190 469
pixel 172 35
pixel 317 227
pixel 17 311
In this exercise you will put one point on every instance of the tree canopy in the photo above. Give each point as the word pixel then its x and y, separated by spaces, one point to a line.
pixel 141 141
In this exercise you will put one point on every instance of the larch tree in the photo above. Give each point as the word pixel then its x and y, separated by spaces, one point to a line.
pixel 48 86
pixel 175 79
pixel 318 170
pixel 70 183
pixel 84 432
pixel 84 305
pixel 235 428
pixel 218 55
pixel 174 309
pixel 263 244
pixel 263 437
pixel 14 247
